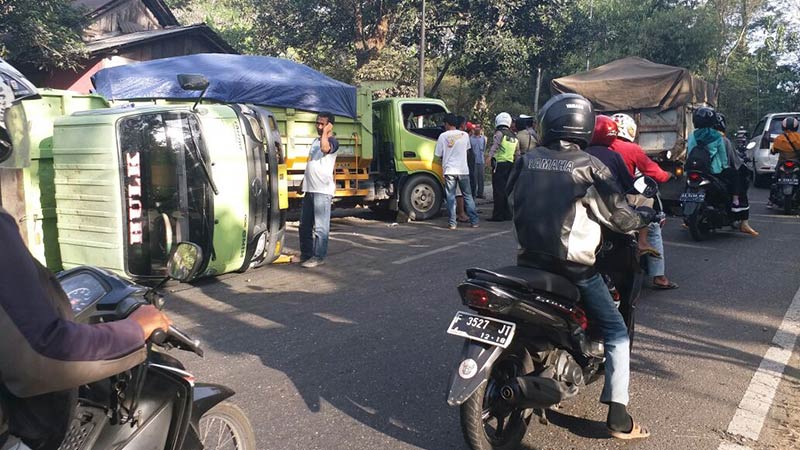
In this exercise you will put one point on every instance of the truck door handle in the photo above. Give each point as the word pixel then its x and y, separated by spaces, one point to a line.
pixel 409 154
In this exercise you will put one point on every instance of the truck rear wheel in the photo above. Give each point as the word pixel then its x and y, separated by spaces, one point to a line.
pixel 421 197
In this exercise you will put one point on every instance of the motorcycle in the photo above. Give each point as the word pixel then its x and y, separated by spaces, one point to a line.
pixel 528 343
pixel 787 184
pixel 706 204
pixel 157 404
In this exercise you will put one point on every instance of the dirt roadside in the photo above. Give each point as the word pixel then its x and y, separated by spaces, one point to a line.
pixel 782 427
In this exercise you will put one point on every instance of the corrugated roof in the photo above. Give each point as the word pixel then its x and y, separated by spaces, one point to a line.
pixel 158 7
pixel 91 5
pixel 131 39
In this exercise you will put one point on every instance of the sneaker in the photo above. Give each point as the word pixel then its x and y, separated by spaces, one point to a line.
pixel 474 225
pixel 451 227
pixel 312 262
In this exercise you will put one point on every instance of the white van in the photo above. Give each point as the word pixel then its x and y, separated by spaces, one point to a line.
pixel 768 128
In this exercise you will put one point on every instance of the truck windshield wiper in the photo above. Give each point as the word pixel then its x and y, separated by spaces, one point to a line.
pixel 199 157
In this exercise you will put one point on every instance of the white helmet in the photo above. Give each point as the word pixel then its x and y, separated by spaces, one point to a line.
pixel 626 126
pixel 503 118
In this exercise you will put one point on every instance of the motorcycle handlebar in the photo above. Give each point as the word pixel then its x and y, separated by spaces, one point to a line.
pixel 176 338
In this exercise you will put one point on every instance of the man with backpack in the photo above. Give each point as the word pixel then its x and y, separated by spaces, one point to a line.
pixel 636 159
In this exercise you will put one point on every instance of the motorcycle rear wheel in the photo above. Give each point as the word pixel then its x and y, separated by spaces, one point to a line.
pixel 480 424
pixel 226 427
pixel 699 226
pixel 787 204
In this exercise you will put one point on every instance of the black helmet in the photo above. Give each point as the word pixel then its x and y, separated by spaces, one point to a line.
pixel 720 124
pixel 567 117
pixel 704 117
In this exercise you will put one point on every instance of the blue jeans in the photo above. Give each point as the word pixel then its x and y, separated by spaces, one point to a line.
pixel 655 266
pixel 602 313
pixel 315 225
pixel 450 182
pixel 477 179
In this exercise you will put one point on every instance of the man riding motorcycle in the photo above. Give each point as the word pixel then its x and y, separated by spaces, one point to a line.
pixel 44 355
pixel 637 160
pixel 560 197
pixel 787 145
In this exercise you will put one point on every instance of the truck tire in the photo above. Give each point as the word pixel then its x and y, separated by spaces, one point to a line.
pixel 421 197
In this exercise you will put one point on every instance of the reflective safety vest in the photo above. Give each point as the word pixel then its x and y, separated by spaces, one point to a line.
pixel 508 146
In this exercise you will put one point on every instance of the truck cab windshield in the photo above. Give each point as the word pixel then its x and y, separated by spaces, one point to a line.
pixel 167 197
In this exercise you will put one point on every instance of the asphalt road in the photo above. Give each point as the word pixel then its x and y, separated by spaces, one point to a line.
pixel 354 354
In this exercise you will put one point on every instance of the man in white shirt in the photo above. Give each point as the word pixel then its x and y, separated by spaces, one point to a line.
pixel 451 151
pixel 319 187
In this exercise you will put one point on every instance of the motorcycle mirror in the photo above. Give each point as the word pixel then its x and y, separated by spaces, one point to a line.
pixel 185 261
pixel 646 186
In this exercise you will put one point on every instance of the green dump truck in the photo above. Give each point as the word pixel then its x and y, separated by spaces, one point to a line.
pixel 385 158
pixel 119 186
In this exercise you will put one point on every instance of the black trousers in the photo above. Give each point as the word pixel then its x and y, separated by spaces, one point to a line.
pixel 741 183
pixel 501 211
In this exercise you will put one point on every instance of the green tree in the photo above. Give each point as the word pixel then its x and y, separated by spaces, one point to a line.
pixel 42 34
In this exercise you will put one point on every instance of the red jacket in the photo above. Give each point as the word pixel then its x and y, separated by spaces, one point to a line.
pixel 635 158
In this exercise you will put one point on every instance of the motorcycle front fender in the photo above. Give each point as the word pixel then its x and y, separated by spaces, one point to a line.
pixel 689 208
pixel 474 368
pixel 207 396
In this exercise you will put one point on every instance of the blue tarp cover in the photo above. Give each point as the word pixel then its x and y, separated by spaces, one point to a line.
pixel 261 80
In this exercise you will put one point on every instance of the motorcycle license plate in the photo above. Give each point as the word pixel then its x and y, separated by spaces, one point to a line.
pixel 695 197
pixel 482 329
pixel 789 181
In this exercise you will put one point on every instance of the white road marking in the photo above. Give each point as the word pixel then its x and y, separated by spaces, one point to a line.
pixel 757 400
pixel 448 248
pixel 693 246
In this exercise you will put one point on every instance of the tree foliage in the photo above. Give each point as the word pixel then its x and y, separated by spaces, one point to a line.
pixel 483 56
pixel 43 34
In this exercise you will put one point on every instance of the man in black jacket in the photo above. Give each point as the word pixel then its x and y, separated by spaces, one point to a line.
pixel 561 196
pixel 44 355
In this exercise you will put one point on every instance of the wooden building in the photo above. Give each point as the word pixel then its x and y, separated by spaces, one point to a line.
pixel 125 31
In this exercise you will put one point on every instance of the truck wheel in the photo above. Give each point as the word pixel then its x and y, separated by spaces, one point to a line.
pixel 421 197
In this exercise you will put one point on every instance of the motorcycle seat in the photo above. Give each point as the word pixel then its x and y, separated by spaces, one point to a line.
pixel 527 278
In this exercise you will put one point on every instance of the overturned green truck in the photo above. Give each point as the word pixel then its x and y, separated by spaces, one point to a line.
pixel 118 187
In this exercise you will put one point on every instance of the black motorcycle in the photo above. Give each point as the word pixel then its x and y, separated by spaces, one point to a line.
pixel 157 404
pixel 787 185
pixel 529 345
pixel 706 204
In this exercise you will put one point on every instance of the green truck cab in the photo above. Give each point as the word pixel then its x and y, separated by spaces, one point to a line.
pixel 118 187
pixel 385 159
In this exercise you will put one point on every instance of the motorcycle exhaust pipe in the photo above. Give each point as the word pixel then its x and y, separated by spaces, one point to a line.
pixel 536 392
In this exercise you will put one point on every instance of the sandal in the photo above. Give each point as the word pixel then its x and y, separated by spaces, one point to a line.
pixel 665 287
pixel 637 432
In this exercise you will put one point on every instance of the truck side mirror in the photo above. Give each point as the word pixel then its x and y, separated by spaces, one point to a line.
pixel 193 82
pixel 185 261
